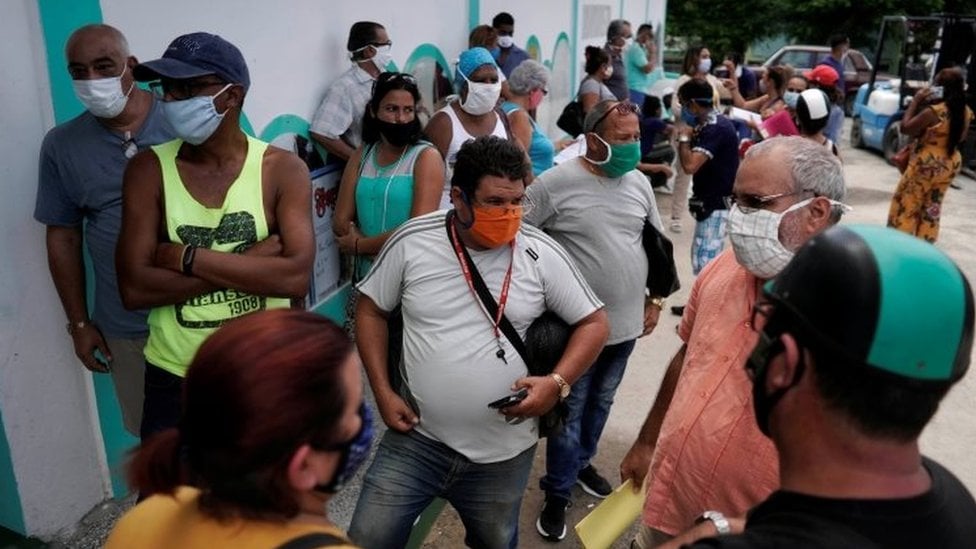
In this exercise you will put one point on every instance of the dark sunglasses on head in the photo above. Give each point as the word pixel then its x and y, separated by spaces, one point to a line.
pixel 624 108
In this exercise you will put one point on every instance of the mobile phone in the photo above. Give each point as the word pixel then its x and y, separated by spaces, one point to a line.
pixel 510 400
pixel 721 72
pixel 936 92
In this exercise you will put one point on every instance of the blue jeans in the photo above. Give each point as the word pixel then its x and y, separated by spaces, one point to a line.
pixel 571 450
pixel 410 470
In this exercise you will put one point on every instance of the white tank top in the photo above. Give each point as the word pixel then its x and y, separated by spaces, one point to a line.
pixel 458 136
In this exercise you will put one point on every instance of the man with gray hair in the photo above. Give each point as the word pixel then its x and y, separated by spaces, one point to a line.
pixel 618 37
pixel 787 190
pixel 596 206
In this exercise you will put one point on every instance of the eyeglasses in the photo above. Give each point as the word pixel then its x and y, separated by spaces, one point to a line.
pixel 524 205
pixel 391 76
pixel 751 202
pixel 181 89
pixel 624 108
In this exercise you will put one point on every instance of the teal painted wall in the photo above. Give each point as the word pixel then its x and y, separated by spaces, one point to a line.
pixel 11 513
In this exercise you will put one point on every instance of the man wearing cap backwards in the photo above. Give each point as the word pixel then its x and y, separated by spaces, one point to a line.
pixel 699 447
pixel 444 440
pixel 595 206
pixel 812 113
pixel 826 78
pixel 338 122
pixel 845 397
pixel 80 180
pixel 215 224
pixel 471 115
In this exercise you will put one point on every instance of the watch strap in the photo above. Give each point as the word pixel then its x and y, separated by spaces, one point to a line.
pixel 721 523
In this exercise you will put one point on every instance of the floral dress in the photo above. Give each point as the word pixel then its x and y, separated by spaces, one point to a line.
pixel 917 203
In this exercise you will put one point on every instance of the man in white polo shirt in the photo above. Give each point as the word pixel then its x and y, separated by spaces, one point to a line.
pixel 444 440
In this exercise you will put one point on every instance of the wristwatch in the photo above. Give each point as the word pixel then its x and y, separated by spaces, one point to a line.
pixel 563 385
pixel 684 139
pixel 658 302
pixel 718 519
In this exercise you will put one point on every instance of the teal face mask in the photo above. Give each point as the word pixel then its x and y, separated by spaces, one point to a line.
pixel 621 158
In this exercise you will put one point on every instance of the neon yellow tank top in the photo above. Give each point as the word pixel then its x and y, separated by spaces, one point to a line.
pixel 177 331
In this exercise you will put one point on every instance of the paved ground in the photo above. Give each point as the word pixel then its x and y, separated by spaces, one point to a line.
pixel 950 439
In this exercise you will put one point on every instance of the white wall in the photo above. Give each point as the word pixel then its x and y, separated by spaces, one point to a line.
pixel 45 393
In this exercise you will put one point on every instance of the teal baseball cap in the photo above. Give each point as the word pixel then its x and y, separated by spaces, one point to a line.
pixel 880 298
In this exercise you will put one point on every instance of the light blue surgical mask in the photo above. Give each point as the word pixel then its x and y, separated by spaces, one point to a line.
pixel 790 98
pixel 195 119
pixel 689 117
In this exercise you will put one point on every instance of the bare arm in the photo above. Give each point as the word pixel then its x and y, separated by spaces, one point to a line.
pixel 335 147
pixel 521 127
pixel 918 117
pixel 64 259
pixel 586 342
pixel 588 101
pixel 428 182
pixel 282 275
pixel 142 283
pixel 635 464
pixel 344 220
pixel 440 133
pixel 704 530
pixel 371 341
pixel 691 161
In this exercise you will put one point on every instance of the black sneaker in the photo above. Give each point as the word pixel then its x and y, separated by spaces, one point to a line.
pixel 678 310
pixel 552 520
pixel 592 483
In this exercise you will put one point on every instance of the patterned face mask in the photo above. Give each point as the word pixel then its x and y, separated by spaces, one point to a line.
pixel 354 453
pixel 755 239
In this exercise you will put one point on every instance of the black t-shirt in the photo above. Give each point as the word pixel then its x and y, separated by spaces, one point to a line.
pixel 718 140
pixel 943 518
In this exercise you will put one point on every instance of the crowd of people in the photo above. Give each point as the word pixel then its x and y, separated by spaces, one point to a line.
pixel 776 423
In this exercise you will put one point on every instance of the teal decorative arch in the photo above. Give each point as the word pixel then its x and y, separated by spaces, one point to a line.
pixel 284 124
pixel 534 47
pixel 563 41
pixel 427 51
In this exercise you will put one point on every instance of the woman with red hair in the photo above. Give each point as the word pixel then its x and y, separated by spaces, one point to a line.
pixel 273 425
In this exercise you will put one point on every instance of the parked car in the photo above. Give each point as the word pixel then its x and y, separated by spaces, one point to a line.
pixel 857 68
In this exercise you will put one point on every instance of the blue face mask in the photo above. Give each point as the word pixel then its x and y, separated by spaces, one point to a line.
pixel 689 117
pixel 790 98
pixel 354 453
pixel 195 119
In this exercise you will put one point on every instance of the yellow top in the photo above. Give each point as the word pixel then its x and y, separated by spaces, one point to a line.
pixel 168 522
pixel 177 331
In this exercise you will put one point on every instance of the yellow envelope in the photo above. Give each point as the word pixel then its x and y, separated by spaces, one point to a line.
pixel 611 518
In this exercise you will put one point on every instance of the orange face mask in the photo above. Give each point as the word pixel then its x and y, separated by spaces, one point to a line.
pixel 495 226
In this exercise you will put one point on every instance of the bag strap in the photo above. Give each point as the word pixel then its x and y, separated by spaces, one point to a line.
pixel 315 539
pixel 487 299
pixel 505 123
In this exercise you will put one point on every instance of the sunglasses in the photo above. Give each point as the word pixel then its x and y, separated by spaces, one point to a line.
pixel 752 202
pixel 624 108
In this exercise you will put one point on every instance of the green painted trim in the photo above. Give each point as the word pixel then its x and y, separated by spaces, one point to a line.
pixel 118 442
pixel 425 522
pixel 574 48
pixel 11 512
pixel 334 306
pixel 284 124
pixel 621 9
pixel 425 51
pixel 474 14
pixel 533 44
pixel 563 37
pixel 59 18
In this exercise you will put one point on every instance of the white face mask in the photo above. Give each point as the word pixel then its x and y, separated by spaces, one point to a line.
pixel 482 97
pixel 103 97
pixel 195 119
pixel 505 42
pixel 738 71
pixel 755 239
pixel 608 72
pixel 383 57
pixel 705 65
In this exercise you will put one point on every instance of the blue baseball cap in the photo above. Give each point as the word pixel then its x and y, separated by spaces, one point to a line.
pixel 197 54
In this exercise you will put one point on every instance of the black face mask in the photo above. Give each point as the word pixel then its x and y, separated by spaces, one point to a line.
pixel 762 403
pixel 399 135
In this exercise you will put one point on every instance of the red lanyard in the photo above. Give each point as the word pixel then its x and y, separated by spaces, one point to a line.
pixel 502 299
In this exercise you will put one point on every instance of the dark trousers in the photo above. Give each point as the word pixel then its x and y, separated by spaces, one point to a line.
pixel 163 402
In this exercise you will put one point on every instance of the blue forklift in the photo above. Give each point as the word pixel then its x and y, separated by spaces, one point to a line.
pixel 911 50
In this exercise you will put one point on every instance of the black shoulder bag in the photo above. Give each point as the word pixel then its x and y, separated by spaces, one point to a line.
pixel 548 336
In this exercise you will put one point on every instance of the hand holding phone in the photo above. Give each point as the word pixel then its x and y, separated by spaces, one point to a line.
pixel 509 400
pixel 936 92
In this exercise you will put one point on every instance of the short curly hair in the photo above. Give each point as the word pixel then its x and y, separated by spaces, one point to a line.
pixel 488 155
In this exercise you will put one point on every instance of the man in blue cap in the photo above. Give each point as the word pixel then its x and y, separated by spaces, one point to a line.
pixel 844 397
pixel 215 224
